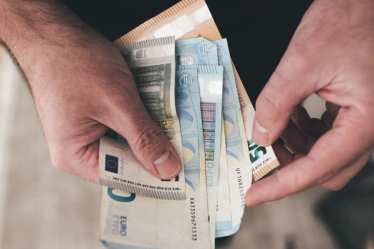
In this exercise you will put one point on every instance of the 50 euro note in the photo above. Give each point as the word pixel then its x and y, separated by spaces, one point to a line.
pixel 152 63
pixel 189 19
pixel 132 221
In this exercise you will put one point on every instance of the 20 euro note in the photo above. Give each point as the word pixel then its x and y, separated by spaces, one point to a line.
pixel 211 83
pixel 132 221
pixel 152 63
pixel 200 51
pixel 189 19
pixel 238 162
pixel 203 54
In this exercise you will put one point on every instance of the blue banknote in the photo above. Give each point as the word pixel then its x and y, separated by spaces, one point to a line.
pixel 238 162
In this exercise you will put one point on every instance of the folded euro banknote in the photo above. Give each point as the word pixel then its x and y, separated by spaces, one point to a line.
pixel 191 89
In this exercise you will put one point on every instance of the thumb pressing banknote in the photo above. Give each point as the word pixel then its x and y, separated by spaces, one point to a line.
pixel 327 59
pixel 82 86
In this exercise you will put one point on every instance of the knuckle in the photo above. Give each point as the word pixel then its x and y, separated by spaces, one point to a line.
pixel 59 162
pixel 151 141
pixel 267 100
pixel 298 63
pixel 120 92
pixel 271 102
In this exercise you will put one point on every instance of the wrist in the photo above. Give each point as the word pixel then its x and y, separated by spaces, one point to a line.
pixel 42 33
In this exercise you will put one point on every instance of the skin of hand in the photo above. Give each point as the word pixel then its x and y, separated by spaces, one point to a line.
pixel 331 54
pixel 81 87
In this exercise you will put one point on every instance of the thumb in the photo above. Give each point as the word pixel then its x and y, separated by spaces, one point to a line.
pixel 290 83
pixel 147 141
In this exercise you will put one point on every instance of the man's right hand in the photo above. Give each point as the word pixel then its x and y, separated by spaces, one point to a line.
pixel 81 86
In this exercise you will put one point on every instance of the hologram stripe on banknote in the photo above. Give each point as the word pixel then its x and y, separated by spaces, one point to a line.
pixel 189 19
pixel 211 85
pixel 153 65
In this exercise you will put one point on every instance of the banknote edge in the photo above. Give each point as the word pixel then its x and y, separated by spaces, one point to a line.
pixel 161 17
pixel 143 191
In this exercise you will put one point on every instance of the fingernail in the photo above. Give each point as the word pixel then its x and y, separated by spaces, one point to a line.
pixel 168 165
pixel 260 134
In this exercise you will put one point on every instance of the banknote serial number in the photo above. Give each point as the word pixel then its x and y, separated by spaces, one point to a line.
pixel 193 219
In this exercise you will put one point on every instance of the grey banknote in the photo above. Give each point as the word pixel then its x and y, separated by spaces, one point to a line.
pixel 152 63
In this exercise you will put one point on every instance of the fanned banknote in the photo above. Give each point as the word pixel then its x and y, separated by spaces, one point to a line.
pixel 152 63
pixel 211 83
pixel 131 221
pixel 234 167
pixel 191 19
pixel 204 54
pixel 263 158
pixel 224 210
pixel 239 166
pixel 189 112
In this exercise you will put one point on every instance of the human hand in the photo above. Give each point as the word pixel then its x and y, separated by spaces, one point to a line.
pixel 82 86
pixel 331 54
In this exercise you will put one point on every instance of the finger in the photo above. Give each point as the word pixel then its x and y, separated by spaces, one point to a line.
pixel 148 143
pixel 291 82
pixel 81 156
pixel 336 148
pixel 296 140
pixel 339 180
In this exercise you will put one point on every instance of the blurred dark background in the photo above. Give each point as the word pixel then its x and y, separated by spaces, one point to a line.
pixel 258 31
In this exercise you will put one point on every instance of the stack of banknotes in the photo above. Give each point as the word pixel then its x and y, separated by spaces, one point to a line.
pixel 193 92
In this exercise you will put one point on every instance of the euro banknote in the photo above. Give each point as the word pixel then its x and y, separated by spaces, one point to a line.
pixel 194 157
pixel 152 63
pixel 200 51
pixel 238 163
pixel 223 206
pixel 203 54
pixel 191 19
pixel 211 83
pixel 132 221
pixel 234 168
